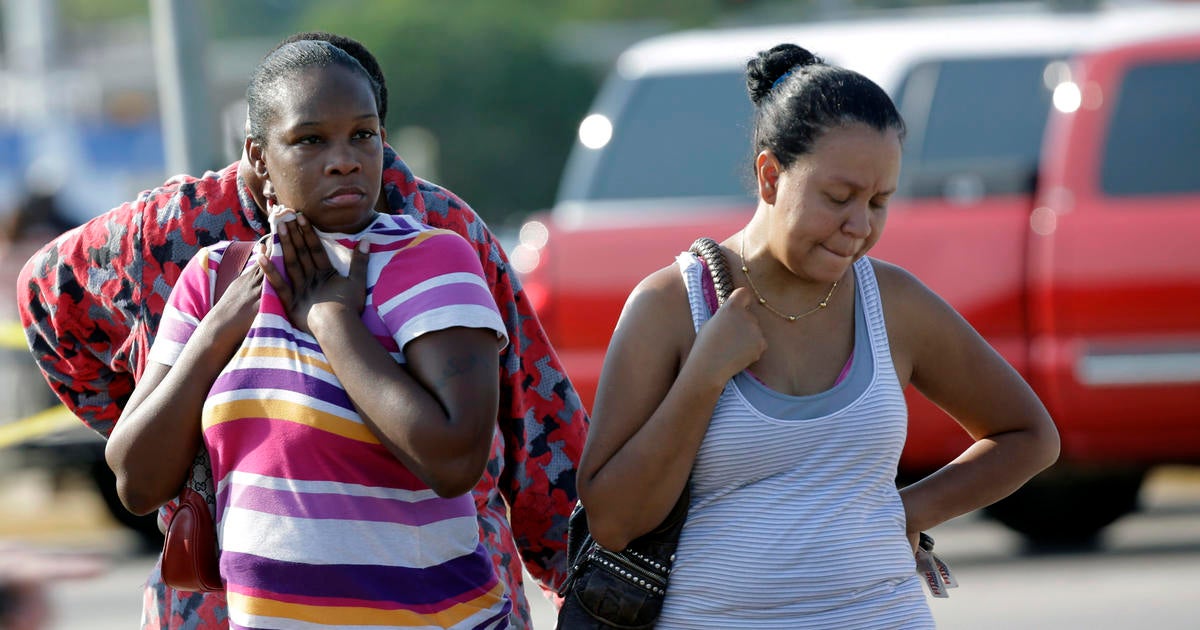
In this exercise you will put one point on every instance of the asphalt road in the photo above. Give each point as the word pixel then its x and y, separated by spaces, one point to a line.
pixel 1146 574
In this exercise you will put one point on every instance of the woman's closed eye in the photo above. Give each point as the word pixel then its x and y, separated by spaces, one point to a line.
pixel 881 199
pixel 877 203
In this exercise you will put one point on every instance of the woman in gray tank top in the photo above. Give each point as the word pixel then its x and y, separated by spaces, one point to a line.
pixel 784 406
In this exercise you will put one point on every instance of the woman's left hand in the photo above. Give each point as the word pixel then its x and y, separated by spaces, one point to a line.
pixel 312 283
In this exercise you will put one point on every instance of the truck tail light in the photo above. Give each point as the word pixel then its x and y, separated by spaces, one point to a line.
pixel 528 258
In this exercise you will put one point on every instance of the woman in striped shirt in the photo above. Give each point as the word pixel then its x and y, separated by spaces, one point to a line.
pixel 784 407
pixel 348 402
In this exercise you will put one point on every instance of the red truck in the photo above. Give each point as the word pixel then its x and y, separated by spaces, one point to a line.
pixel 1050 192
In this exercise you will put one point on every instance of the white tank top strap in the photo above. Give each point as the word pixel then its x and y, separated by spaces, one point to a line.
pixel 693 273
pixel 868 287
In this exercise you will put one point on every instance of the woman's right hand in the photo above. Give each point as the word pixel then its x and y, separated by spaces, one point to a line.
pixel 312 283
pixel 731 340
pixel 234 312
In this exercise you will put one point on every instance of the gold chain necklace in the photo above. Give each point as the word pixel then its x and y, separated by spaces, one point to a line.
pixel 762 300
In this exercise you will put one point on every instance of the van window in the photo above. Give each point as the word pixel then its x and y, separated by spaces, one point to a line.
pixel 975 126
pixel 1153 144
pixel 677 136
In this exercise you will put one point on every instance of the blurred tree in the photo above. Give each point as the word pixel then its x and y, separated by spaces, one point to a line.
pixel 681 13
pixel 91 11
pixel 232 19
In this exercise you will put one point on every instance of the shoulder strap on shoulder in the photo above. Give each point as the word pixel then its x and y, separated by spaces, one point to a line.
pixel 708 249
pixel 232 264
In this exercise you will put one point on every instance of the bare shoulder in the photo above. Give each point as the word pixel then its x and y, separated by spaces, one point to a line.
pixel 919 322
pixel 905 298
pixel 895 281
pixel 653 334
pixel 658 302
pixel 665 282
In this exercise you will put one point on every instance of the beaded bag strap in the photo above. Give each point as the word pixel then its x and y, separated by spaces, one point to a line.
pixel 708 249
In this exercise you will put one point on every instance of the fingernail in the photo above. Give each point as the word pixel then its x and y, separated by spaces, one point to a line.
pixel 301 219
pixel 364 246
pixel 282 228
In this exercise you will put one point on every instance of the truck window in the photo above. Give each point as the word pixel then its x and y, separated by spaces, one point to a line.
pixel 975 126
pixel 1153 143
pixel 677 136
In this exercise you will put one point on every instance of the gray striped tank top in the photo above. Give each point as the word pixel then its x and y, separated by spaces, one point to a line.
pixel 795 519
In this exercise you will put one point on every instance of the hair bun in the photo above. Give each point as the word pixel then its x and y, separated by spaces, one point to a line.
pixel 768 66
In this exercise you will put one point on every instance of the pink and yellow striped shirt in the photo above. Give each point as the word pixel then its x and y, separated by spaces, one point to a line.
pixel 319 525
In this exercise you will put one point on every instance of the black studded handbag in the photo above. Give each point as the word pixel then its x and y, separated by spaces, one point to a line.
pixel 625 589
pixel 618 589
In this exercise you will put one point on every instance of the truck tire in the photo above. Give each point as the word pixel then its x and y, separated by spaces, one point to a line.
pixel 145 527
pixel 1068 508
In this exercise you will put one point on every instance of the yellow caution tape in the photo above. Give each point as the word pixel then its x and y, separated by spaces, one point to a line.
pixel 41 424
pixel 38 425
pixel 12 336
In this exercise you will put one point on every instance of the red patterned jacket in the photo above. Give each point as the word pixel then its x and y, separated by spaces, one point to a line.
pixel 91 301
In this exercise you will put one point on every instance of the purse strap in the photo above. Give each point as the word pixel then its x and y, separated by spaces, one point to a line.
pixel 233 262
pixel 710 251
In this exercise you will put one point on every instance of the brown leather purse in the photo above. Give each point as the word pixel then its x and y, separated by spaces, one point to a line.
pixel 190 557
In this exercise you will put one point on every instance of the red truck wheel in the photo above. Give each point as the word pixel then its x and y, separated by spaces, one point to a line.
pixel 1069 507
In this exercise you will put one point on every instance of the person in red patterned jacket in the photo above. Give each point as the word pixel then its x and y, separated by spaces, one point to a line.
pixel 91 300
